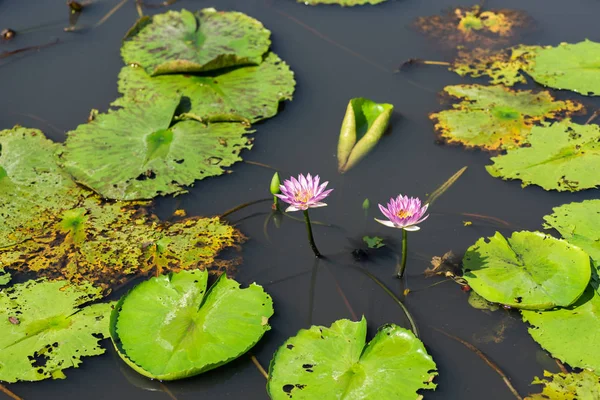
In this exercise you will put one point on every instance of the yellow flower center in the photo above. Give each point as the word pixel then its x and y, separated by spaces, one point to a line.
pixel 404 214
pixel 303 196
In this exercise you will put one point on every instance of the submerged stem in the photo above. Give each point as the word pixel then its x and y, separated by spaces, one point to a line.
pixel 311 239
pixel 402 265
pixel 487 361
pixel 7 392
pixel 413 326
pixel 242 206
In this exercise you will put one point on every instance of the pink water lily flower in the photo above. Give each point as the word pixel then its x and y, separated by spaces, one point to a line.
pixel 404 212
pixel 303 193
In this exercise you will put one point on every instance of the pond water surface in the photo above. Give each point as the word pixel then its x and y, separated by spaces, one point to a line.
pixel 337 54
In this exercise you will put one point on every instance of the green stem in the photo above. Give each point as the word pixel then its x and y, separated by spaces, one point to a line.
pixel 311 240
pixel 402 265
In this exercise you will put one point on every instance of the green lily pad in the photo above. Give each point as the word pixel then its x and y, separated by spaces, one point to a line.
pixel 186 42
pixel 171 327
pixel 108 243
pixel 33 188
pixel 578 224
pixel 5 277
pixel 529 270
pixel 568 66
pixel 135 153
pixel 373 242
pixel 343 3
pixel 564 156
pixel 248 94
pixel 45 328
pixel 334 363
pixel 495 117
pixel 584 385
pixel 570 334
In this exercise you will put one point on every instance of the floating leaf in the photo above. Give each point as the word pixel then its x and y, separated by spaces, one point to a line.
pixel 504 67
pixel 373 242
pixel 570 334
pixel 479 303
pixel 529 270
pixel 185 42
pixel 333 363
pixel 343 3
pixel 33 188
pixel 494 117
pixel 563 157
pixel 584 385
pixel 44 328
pixel 135 153
pixel 363 126
pixel 171 327
pixel 568 66
pixel 578 224
pixel 105 243
pixel 5 277
pixel 472 25
pixel 250 93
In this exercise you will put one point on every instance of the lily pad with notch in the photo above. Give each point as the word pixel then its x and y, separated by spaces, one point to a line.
pixel 570 334
pixel 529 270
pixel 181 41
pixel 46 327
pixel 250 93
pixel 172 327
pixel 137 152
pixel 335 362
pixel 563 156
pixel 496 118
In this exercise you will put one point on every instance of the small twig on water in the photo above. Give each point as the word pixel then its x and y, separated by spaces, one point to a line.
pixel 260 164
pixel 242 206
pixel 562 367
pixel 7 392
pixel 258 366
pixel 167 391
pixel 592 117
pixel 342 295
pixel 6 54
pixel 445 186
pixel 138 7
pixel 486 359
pixel 487 218
pixel 165 3
pixel 413 326
pixel 417 61
pixel 110 13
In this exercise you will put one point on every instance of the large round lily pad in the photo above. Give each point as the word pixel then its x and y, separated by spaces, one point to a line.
pixel 137 153
pixel 45 328
pixel 248 93
pixel 570 334
pixel 33 188
pixel 529 270
pixel 333 363
pixel 579 224
pixel 172 327
pixel 108 243
pixel 568 66
pixel 186 42
pixel 564 156
pixel 495 117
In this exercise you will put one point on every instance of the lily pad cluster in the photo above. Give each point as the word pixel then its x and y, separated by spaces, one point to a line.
pixel 584 385
pixel 495 117
pixel 464 26
pixel 553 282
pixel 192 85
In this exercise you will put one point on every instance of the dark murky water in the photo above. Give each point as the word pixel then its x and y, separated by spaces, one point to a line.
pixel 54 89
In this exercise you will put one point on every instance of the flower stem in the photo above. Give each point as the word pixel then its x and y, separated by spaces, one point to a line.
pixel 311 240
pixel 402 265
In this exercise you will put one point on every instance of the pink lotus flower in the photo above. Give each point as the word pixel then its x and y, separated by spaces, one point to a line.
pixel 303 193
pixel 404 212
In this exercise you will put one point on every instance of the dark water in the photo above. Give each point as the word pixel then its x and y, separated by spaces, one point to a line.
pixel 54 89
